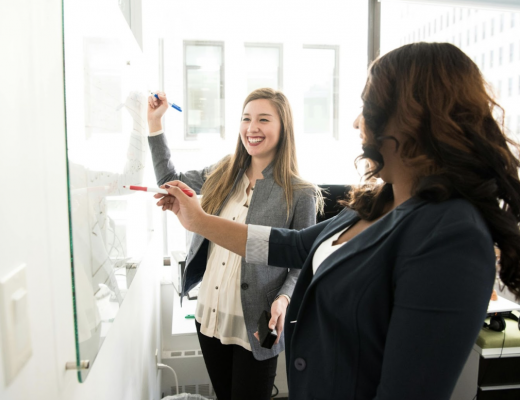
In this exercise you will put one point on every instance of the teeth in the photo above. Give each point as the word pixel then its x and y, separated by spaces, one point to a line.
pixel 254 140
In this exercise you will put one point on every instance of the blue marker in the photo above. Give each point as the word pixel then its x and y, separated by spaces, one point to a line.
pixel 170 104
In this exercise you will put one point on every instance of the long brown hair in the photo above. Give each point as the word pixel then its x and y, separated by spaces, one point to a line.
pixel 436 97
pixel 285 165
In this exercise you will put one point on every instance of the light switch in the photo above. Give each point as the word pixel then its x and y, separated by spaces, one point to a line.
pixel 14 322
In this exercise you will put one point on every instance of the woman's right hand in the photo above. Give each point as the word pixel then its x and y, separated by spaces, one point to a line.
pixel 186 208
pixel 156 109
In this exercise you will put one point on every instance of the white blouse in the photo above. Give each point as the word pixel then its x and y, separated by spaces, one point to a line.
pixel 219 306
pixel 325 249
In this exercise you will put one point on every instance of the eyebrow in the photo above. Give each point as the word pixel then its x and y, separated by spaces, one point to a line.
pixel 259 114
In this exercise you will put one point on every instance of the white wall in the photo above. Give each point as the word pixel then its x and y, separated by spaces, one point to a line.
pixel 34 226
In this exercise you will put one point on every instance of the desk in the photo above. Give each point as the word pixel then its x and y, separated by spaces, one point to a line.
pixel 492 372
pixel 180 324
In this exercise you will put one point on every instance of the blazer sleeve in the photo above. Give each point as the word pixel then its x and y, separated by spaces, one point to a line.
pixel 303 217
pixel 165 170
pixel 441 295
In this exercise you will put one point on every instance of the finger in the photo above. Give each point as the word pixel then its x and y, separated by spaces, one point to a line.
pixel 180 185
pixel 273 321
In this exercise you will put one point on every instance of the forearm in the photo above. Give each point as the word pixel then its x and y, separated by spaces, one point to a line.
pixel 228 234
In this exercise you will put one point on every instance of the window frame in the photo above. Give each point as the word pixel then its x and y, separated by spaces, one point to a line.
pixel 201 43
pixel 335 84
pixel 279 46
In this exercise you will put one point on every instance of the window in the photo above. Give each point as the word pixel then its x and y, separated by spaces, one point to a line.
pixel 511 52
pixel 500 56
pixel 512 20
pixel 499 89
pixel 263 66
pixel 510 87
pixel 320 89
pixel 467 38
pixel 501 22
pixel 492 27
pixel 483 62
pixel 476 34
pixel 204 88
pixel 491 59
pixel 483 30
pixel 518 125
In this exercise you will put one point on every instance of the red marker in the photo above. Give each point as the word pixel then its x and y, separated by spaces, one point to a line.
pixel 187 192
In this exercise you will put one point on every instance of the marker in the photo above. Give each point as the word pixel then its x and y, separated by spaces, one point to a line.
pixel 187 192
pixel 189 316
pixel 170 104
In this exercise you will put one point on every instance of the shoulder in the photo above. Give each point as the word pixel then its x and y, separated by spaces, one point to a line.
pixel 454 216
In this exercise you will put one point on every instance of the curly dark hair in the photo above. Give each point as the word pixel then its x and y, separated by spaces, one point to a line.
pixel 437 98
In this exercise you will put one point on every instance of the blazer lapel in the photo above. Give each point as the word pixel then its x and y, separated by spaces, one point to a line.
pixel 369 237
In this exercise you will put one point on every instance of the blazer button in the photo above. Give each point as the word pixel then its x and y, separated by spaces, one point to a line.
pixel 244 286
pixel 300 364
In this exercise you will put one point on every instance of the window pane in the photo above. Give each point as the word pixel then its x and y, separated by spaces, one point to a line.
pixel 398 19
pixel 319 70
pixel 263 66
pixel 204 88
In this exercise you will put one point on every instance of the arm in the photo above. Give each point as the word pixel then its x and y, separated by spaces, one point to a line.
pixel 295 245
pixel 304 216
pixel 441 296
pixel 162 164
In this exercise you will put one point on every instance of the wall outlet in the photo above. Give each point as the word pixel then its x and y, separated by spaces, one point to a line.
pixel 14 322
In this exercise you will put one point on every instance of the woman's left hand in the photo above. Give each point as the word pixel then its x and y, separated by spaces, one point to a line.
pixel 278 310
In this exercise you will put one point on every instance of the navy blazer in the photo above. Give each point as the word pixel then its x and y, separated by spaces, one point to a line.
pixel 392 314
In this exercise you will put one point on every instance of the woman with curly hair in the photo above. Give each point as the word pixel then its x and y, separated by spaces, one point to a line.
pixel 393 291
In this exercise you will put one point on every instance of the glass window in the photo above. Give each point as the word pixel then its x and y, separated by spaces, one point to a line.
pixel 204 88
pixel 263 66
pixel 497 71
pixel 320 88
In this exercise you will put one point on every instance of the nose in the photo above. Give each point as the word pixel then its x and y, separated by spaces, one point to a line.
pixel 253 127
pixel 357 121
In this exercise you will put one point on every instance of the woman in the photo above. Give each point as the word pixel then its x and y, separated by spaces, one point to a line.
pixel 394 290
pixel 258 184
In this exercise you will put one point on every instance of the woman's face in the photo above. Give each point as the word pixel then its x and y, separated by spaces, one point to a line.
pixel 260 129
pixel 388 150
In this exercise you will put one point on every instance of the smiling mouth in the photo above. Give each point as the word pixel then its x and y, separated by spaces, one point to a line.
pixel 255 140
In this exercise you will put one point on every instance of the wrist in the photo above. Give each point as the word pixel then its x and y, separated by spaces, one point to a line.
pixel 154 125
pixel 283 298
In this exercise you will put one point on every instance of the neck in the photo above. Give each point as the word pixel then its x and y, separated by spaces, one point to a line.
pixel 402 192
pixel 257 166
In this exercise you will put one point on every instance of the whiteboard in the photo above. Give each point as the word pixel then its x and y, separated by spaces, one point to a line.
pixel 107 148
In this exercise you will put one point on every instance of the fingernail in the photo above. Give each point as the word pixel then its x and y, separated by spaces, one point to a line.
pixel 167 186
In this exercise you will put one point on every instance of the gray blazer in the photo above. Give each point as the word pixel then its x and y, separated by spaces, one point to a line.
pixel 260 284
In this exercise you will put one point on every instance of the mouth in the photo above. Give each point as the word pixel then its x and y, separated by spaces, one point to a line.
pixel 255 140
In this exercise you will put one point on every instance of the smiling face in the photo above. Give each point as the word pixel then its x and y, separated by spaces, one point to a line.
pixel 260 129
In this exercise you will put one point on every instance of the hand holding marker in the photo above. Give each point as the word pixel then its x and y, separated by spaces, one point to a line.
pixel 170 104
pixel 187 192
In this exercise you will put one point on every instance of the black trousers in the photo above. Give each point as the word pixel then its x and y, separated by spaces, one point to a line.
pixel 234 372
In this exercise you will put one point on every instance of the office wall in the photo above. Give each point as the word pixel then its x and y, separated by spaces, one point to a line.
pixel 34 226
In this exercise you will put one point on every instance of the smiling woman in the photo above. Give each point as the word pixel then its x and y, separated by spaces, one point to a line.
pixel 258 184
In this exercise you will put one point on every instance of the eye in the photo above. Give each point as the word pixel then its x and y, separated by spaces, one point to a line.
pixel 264 120
pixel 245 119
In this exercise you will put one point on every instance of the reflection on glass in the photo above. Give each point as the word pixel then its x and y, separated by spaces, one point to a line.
pixel 106 149
pixel 204 88
pixel 319 89
pixel 494 47
pixel 263 66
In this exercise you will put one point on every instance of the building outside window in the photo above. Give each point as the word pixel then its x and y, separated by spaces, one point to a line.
pixel 491 59
pixel 511 52
pixel 321 64
pixel 264 66
pixel 203 88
